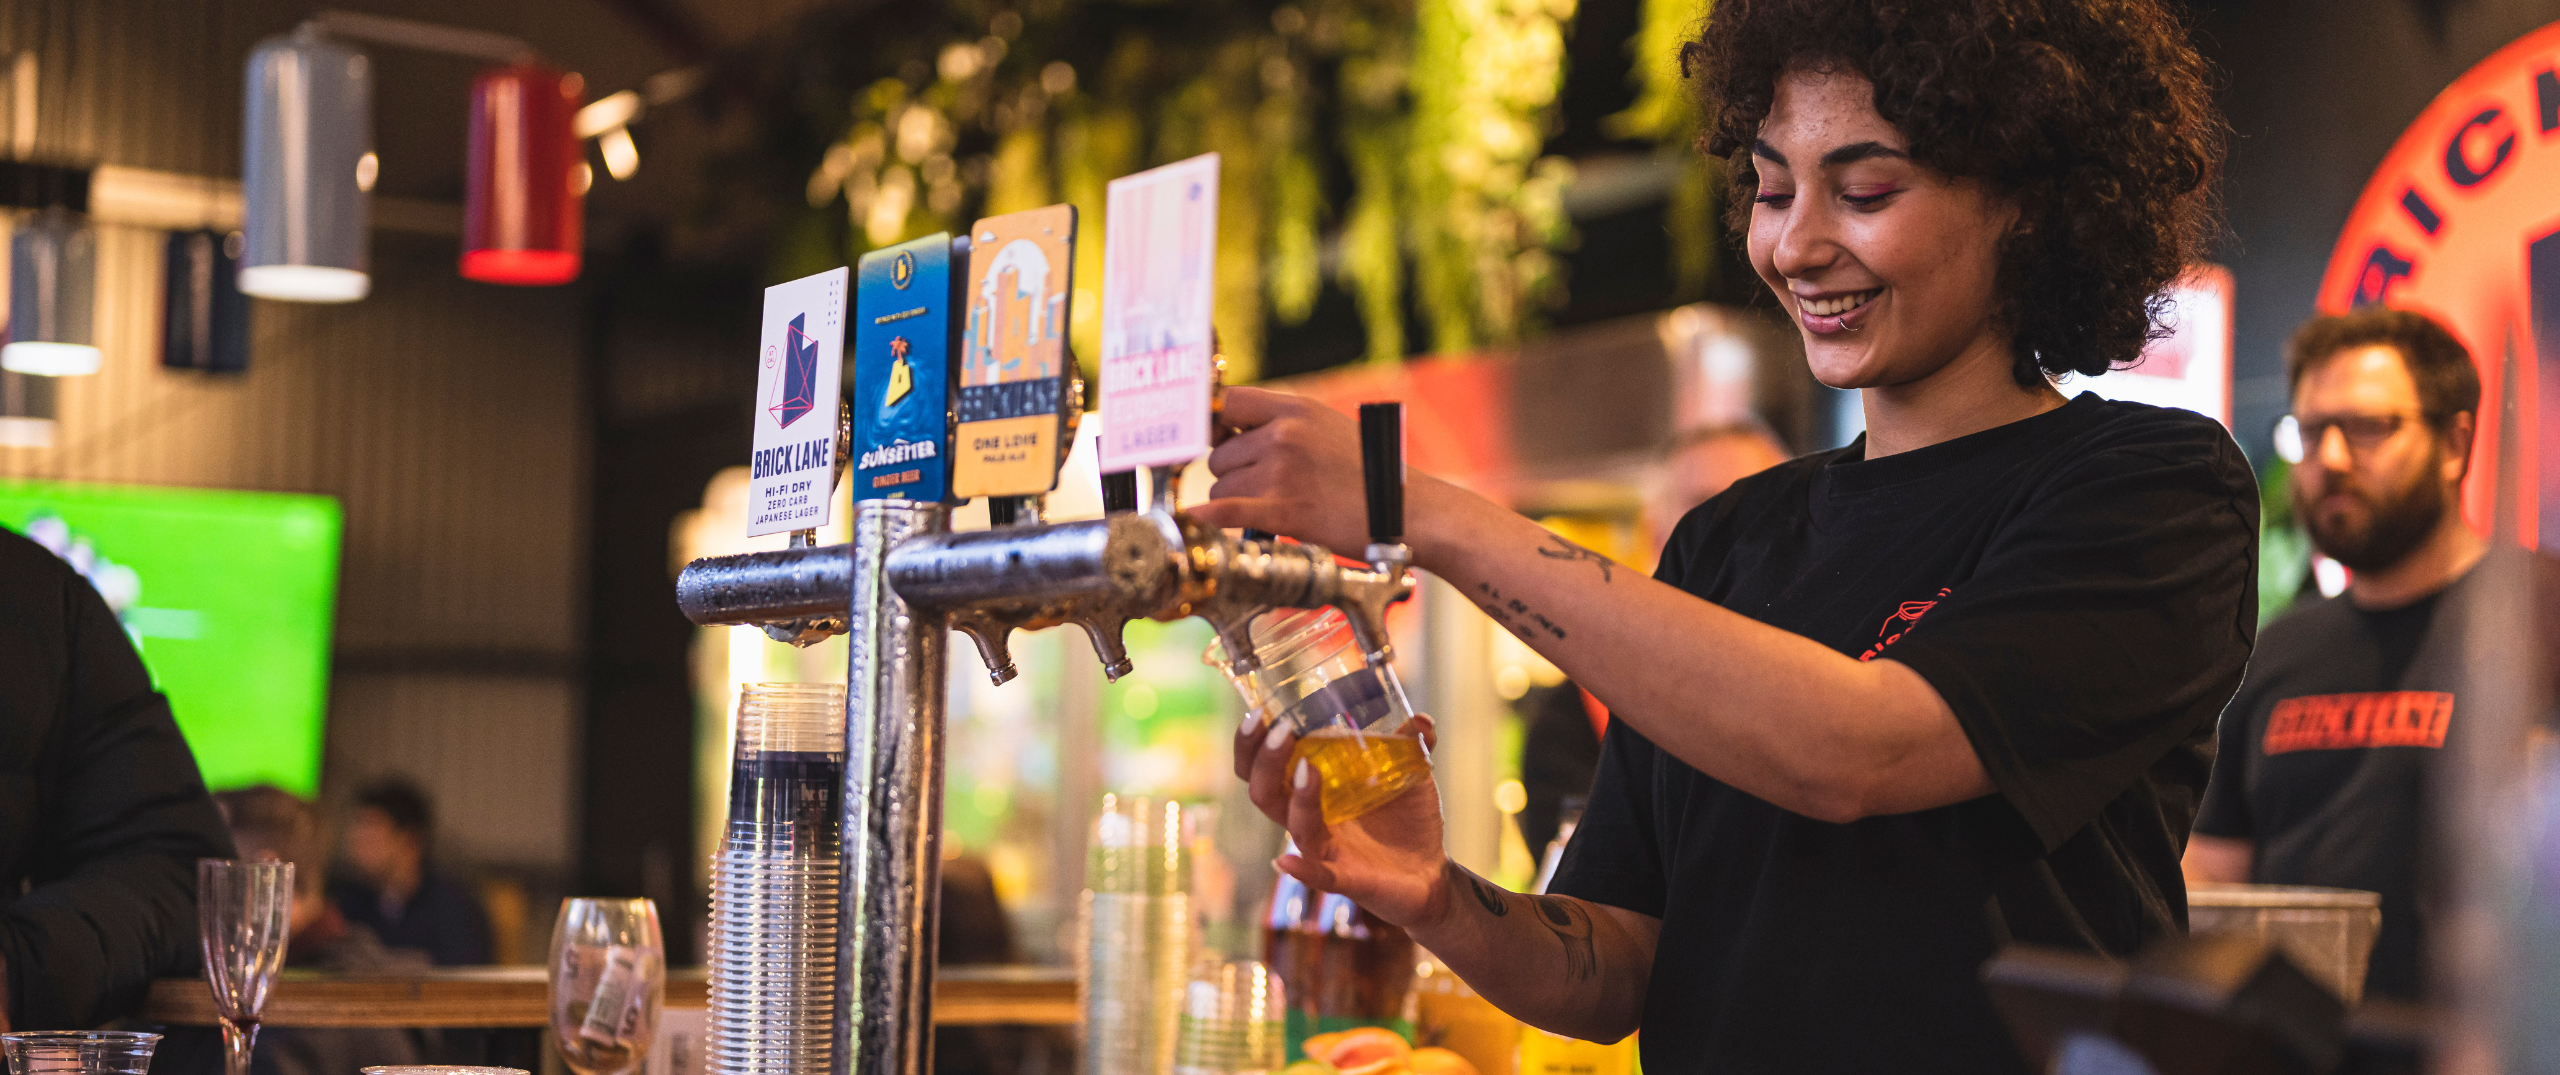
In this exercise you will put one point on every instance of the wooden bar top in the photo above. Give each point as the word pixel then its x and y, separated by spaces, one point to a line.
pixel 519 997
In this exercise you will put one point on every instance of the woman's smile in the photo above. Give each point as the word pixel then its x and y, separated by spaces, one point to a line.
pixel 1836 313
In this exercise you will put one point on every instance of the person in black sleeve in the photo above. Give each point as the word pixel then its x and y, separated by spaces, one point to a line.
pixel 102 812
pixel 1883 709
pixel 2323 773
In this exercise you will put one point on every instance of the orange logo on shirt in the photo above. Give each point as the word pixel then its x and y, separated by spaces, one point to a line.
pixel 2351 721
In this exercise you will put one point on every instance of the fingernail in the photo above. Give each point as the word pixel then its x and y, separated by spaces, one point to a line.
pixel 1279 734
pixel 1302 776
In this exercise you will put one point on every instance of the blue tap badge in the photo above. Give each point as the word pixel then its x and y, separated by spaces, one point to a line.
pixel 902 372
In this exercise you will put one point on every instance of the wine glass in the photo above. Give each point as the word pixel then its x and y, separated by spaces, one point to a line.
pixel 608 979
pixel 244 912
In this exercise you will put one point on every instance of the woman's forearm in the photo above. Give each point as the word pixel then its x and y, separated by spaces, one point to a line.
pixel 1563 965
pixel 1770 712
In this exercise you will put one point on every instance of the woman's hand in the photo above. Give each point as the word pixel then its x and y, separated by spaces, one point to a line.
pixel 1293 469
pixel 1389 860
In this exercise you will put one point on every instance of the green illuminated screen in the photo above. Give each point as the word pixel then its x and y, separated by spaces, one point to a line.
pixel 229 597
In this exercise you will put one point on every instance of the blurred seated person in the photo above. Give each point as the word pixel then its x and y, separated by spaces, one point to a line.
pixel 271 823
pixel 394 890
pixel 102 811
pixel 2332 749
pixel 1565 722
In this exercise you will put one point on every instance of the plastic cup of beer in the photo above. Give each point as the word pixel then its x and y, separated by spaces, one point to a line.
pixel 1355 728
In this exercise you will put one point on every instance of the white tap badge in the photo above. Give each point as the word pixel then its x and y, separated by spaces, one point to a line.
pixel 1159 250
pixel 799 392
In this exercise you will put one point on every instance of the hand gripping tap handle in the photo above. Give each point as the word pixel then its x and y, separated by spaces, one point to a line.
pixel 1382 472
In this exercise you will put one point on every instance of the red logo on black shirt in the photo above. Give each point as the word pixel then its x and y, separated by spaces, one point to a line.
pixel 1905 616
pixel 2352 721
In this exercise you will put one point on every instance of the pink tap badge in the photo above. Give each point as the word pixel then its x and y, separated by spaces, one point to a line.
pixel 1159 254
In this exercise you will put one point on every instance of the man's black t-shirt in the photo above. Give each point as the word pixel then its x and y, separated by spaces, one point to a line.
pixel 2326 752
pixel 2080 587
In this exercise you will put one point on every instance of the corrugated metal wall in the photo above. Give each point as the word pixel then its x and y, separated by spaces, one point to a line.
pixel 447 417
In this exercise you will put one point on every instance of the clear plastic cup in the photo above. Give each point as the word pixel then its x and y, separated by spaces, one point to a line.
pixel 78 1052
pixel 772 944
pixel 1234 1021
pixel 1352 718
pixel 1136 928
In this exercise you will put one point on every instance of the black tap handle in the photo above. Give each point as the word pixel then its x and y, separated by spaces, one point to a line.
pixel 1382 470
pixel 1119 492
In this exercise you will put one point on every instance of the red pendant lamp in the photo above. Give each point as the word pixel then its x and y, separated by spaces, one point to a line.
pixel 523 217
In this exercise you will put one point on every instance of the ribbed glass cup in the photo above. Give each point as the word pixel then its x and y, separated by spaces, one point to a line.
pixel 773 884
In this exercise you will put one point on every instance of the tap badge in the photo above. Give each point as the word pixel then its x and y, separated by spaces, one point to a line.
pixel 901 370
pixel 799 369
pixel 798 388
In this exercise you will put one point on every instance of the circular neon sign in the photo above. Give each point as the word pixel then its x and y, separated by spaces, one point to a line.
pixel 2462 223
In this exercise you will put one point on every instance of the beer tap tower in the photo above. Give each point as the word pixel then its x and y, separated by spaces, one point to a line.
pixel 906 581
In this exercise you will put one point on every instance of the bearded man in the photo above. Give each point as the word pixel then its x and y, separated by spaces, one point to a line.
pixel 2326 754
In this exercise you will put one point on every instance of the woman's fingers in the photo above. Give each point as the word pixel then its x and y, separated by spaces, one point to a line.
pixel 1305 820
pixel 1250 408
pixel 1267 779
pixel 1429 730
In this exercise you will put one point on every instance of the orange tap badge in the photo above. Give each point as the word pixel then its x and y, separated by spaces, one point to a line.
pixel 1013 354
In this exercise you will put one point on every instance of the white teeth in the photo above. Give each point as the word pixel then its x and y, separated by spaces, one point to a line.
pixel 1838 304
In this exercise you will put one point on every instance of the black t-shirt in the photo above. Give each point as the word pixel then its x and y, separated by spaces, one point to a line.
pixel 2327 751
pixel 2080 587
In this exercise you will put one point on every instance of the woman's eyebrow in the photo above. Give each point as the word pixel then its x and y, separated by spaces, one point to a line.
pixel 1858 151
pixel 1848 154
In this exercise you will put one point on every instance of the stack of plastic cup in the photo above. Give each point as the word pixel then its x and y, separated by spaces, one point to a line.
pixel 773 885
pixel 1137 943
pixel 1234 1021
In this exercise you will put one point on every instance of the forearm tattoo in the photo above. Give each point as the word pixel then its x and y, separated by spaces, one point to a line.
pixel 1515 614
pixel 1572 925
pixel 1558 548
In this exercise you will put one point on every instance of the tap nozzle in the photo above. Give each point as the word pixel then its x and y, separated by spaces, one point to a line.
pixel 1108 647
pixel 993 637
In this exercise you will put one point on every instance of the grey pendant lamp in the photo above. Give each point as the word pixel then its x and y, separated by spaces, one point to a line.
pixel 307 170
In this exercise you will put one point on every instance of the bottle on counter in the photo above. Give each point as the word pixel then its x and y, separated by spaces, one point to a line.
pixel 1342 967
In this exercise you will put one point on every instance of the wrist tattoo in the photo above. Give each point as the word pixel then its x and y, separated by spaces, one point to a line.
pixel 1572 926
pixel 1488 895
pixel 1558 548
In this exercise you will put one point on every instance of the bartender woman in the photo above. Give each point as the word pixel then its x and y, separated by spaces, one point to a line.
pixel 1887 708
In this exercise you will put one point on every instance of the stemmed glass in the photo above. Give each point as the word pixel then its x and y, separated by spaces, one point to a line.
pixel 608 980
pixel 244 912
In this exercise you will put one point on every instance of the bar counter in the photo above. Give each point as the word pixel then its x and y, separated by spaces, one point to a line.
pixel 518 997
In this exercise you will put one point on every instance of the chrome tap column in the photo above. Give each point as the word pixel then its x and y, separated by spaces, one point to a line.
pixel 895 660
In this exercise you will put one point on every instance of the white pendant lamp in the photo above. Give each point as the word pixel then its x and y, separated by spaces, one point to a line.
pixel 307 170
pixel 53 291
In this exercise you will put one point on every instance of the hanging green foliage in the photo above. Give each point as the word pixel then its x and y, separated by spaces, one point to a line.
pixel 1665 113
pixel 1429 115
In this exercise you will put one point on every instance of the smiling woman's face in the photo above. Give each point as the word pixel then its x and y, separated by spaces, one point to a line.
pixel 1886 266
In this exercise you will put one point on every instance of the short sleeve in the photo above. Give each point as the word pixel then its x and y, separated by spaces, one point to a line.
pixel 1614 857
pixel 2225 811
pixel 2107 623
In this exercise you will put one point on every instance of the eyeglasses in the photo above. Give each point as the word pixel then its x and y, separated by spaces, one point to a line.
pixel 2295 438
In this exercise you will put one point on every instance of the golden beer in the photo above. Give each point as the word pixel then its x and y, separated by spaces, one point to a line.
pixel 1357 772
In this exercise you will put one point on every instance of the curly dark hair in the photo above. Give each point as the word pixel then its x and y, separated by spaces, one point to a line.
pixel 2094 118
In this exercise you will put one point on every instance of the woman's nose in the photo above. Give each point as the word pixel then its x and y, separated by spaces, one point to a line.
pixel 1807 243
